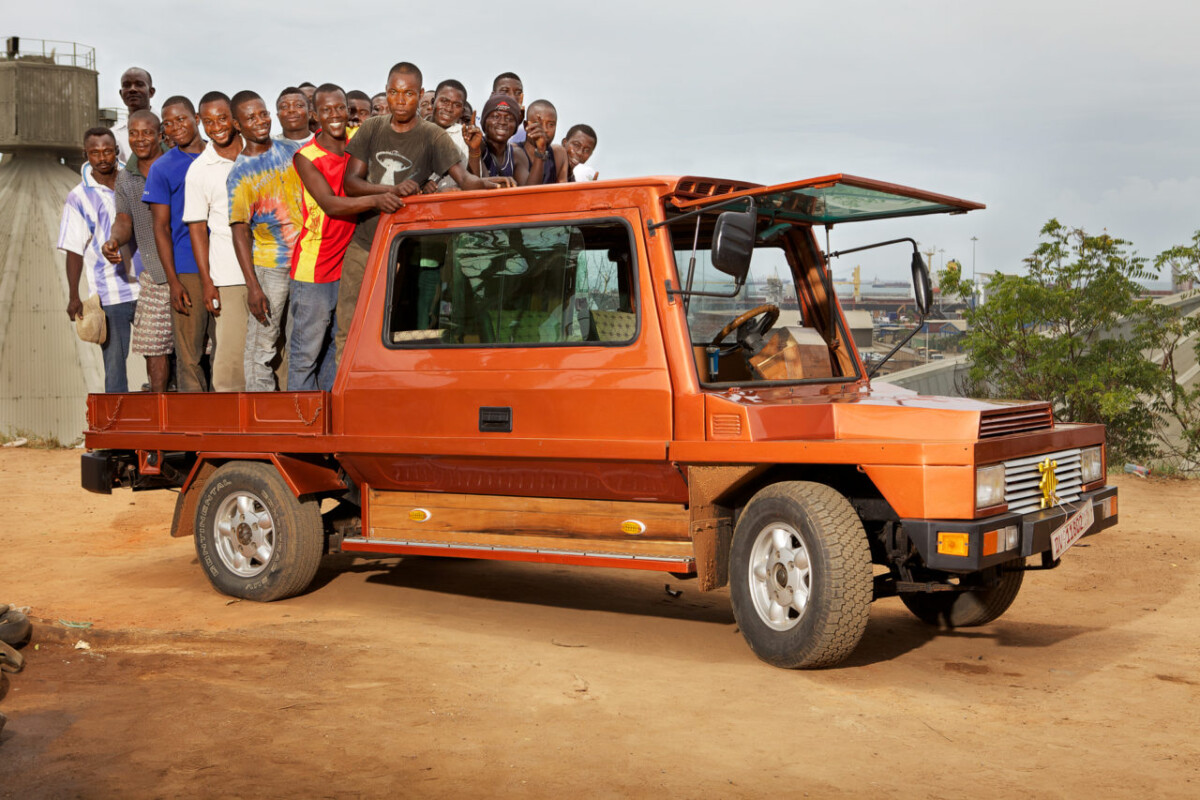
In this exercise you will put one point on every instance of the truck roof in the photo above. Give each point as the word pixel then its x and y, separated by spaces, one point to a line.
pixel 825 200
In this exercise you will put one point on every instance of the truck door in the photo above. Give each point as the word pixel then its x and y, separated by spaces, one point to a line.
pixel 513 357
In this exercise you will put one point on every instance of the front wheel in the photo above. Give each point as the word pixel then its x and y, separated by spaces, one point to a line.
pixel 255 539
pixel 800 575
pixel 991 596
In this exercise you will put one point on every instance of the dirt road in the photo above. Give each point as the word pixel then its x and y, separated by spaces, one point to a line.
pixel 449 678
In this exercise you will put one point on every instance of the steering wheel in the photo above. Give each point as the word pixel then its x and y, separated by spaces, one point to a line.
pixel 750 333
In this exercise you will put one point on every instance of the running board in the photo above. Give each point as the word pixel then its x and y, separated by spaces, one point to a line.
pixel 583 558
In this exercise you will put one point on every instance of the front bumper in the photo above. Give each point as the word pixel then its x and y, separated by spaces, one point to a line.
pixel 1034 532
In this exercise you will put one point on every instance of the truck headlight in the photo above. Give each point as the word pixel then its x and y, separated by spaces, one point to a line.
pixel 989 486
pixel 1091 464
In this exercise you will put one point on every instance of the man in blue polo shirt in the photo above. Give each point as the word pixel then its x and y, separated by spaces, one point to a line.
pixel 165 194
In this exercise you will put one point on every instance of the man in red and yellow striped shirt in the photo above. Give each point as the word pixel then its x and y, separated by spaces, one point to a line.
pixel 329 219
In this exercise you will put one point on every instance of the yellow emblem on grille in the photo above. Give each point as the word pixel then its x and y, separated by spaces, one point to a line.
pixel 1049 483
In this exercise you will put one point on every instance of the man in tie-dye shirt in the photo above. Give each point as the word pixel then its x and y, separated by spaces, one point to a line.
pixel 86 224
pixel 265 217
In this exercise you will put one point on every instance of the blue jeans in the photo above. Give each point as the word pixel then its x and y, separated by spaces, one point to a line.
pixel 260 339
pixel 116 346
pixel 311 349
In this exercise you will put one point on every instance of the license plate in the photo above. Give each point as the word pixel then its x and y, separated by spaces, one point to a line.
pixel 1069 532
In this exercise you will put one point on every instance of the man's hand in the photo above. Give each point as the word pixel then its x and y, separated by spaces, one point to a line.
pixel 75 308
pixel 474 139
pixel 430 187
pixel 408 187
pixel 259 305
pixel 111 251
pixel 212 299
pixel 388 203
pixel 500 182
pixel 535 136
pixel 180 300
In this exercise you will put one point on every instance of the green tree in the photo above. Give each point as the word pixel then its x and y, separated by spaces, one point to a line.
pixel 1071 331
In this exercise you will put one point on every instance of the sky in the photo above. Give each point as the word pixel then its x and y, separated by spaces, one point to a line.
pixel 1081 111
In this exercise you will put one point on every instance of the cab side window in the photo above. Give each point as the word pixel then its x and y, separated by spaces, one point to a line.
pixel 537 285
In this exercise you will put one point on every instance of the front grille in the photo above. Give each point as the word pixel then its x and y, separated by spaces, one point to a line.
pixel 1015 420
pixel 1021 479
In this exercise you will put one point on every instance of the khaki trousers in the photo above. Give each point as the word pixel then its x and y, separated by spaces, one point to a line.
pixel 229 351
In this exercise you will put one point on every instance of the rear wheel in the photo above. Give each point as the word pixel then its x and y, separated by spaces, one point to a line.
pixel 255 539
pixel 993 594
pixel 800 575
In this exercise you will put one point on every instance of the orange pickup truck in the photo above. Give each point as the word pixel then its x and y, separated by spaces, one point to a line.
pixel 650 373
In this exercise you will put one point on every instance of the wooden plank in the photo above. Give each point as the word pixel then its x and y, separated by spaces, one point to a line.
pixel 418 513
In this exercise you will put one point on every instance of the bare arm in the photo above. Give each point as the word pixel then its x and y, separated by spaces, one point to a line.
pixel 161 212
pixel 256 299
pixel 468 181
pixel 522 168
pixel 560 161
pixel 74 271
pixel 316 185
pixel 198 232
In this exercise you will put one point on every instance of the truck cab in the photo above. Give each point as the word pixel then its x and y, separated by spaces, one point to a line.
pixel 651 373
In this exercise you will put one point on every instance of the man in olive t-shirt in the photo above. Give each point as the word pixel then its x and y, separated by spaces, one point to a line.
pixel 397 152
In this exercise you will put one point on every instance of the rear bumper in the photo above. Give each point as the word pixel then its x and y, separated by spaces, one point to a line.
pixel 1034 532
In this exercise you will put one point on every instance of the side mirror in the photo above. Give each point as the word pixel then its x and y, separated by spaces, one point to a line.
pixel 922 289
pixel 733 242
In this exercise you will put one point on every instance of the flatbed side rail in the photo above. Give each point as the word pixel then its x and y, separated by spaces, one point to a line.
pixel 297 413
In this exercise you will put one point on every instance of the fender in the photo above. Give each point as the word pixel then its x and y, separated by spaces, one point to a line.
pixel 303 475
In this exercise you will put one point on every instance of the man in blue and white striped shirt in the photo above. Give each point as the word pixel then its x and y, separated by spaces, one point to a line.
pixel 86 225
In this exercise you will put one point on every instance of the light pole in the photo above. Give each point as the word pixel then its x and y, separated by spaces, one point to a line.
pixel 974 239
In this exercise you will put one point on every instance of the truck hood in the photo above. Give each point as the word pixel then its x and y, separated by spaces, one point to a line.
pixel 881 412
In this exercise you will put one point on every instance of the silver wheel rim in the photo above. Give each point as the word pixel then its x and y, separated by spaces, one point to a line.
pixel 245 534
pixel 780 576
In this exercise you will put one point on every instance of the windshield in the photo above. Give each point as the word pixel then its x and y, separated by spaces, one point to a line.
pixel 775 328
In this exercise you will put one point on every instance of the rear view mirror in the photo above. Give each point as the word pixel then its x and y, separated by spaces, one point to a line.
pixel 733 242
pixel 922 290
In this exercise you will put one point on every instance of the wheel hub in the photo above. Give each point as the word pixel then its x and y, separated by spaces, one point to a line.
pixel 245 534
pixel 780 576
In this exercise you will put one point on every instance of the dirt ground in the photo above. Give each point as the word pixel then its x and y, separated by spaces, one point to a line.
pixel 451 678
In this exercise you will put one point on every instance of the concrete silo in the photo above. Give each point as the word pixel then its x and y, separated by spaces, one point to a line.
pixel 48 98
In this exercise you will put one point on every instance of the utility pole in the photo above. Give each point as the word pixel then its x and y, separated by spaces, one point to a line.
pixel 974 239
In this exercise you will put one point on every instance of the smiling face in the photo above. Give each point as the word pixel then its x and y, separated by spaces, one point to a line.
pixel 292 110
pixel 136 90
pixel 179 125
pixel 403 96
pixel 499 127
pixel 253 121
pixel 332 113
pixel 217 119
pixel 143 137
pixel 448 106
pixel 579 147
pixel 101 152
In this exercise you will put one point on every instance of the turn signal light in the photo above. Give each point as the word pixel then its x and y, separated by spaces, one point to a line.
pixel 953 543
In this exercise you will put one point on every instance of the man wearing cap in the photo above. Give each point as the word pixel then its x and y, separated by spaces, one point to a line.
pixel 86 225
pixel 501 117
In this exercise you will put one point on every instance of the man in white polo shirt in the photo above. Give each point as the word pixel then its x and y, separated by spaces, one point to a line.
pixel 206 212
